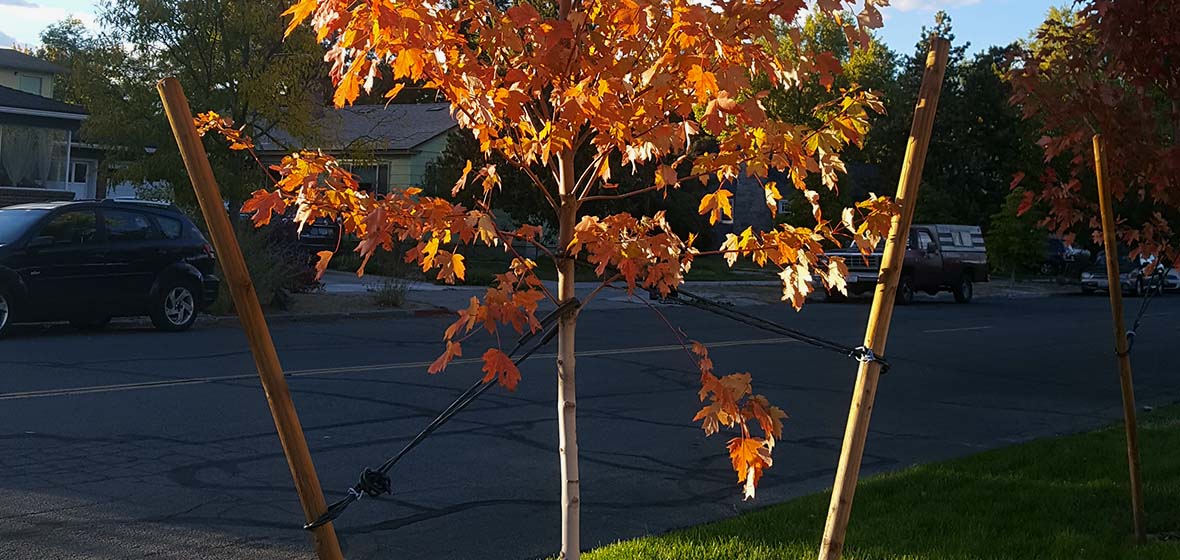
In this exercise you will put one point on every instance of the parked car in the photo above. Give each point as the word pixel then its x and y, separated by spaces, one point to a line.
pixel 1063 258
pixel 1136 277
pixel 320 235
pixel 938 258
pixel 89 261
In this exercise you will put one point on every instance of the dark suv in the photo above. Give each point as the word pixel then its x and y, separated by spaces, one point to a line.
pixel 86 262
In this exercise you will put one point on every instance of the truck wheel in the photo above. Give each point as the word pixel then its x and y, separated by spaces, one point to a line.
pixel 964 290
pixel 5 312
pixel 905 291
pixel 174 309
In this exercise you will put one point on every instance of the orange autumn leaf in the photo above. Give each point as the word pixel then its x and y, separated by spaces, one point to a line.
pixel 452 351
pixel 321 263
pixel 264 204
pixel 716 204
pixel 498 366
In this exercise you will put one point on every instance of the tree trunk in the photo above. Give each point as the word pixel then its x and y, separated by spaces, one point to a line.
pixel 566 399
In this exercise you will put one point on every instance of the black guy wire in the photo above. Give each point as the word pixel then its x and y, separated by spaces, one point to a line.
pixel 377 482
pixel 1143 305
pixel 859 353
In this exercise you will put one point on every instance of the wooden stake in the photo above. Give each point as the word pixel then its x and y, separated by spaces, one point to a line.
pixel 1114 287
pixel 246 302
pixel 857 430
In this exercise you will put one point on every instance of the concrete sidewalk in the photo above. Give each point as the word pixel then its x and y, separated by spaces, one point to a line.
pixel 459 296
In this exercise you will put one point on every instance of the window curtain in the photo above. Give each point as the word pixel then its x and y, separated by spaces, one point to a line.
pixel 28 154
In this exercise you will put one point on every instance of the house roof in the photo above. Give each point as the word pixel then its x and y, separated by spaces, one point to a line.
pixel 12 58
pixel 396 128
pixel 15 100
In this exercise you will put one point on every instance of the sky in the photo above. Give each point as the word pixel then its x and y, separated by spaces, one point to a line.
pixel 981 22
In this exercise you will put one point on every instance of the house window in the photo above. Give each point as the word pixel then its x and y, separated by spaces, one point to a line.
pixel 81 172
pixel 372 178
pixel 31 84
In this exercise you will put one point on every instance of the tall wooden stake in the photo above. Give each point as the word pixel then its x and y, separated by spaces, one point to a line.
pixel 249 311
pixel 857 430
pixel 1105 205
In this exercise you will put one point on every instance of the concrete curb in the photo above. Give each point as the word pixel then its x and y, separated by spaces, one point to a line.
pixel 214 320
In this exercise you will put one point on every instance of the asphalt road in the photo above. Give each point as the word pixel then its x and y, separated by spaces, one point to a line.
pixel 135 444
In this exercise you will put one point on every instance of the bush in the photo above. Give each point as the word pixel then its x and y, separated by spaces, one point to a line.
pixel 278 267
pixel 391 292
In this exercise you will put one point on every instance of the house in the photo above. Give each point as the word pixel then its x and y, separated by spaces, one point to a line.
pixel 385 146
pixel 40 158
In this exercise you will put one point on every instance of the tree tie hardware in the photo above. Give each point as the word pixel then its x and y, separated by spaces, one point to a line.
pixel 374 483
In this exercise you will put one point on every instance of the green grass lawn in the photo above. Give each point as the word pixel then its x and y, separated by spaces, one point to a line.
pixel 1059 499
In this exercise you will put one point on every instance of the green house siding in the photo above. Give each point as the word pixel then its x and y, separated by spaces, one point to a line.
pixel 410 171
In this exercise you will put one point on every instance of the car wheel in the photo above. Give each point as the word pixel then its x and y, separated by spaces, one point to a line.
pixel 964 290
pixel 175 307
pixel 5 312
pixel 1047 269
pixel 1139 290
pixel 91 323
pixel 1087 291
pixel 905 291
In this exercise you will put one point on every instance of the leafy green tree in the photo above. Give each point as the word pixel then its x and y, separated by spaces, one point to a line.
pixel 980 141
pixel 231 57
pixel 1015 244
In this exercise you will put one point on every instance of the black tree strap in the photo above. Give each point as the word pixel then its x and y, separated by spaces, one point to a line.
pixel 377 482
pixel 860 353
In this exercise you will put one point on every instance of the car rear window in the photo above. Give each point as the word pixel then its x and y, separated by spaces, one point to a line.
pixel 128 226
pixel 171 227
pixel 14 222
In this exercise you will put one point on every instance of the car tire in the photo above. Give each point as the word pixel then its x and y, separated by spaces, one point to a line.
pixel 1087 291
pixel 91 323
pixel 905 291
pixel 964 290
pixel 1139 290
pixel 6 309
pixel 834 297
pixel 174 308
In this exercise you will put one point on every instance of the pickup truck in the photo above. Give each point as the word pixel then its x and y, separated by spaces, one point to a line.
pixel 938 258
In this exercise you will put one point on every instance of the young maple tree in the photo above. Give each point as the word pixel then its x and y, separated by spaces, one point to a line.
pixel 629 82
pixel 1109 68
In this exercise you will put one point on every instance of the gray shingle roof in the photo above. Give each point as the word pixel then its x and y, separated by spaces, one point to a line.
pixel 18 99
pixel 12 58
pixel 373 127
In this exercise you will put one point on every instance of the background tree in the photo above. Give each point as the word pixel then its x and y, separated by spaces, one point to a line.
pixel 636 83
pixel 1109 68
pixel 1015 243
pixel 232 57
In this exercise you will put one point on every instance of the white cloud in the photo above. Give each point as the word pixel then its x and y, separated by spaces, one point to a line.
pixel 23 21
pixel 928 5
